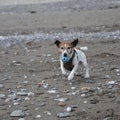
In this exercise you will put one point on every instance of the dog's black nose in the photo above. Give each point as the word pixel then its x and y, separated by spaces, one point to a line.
pixel 65 55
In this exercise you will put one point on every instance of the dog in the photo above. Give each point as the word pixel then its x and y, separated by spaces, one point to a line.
pixel 70 58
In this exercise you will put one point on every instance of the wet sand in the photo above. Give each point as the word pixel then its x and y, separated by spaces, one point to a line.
pixel 30 76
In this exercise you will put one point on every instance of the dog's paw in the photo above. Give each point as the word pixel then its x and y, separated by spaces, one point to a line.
pixel 64 72
pixel 70 77
pixel 86 76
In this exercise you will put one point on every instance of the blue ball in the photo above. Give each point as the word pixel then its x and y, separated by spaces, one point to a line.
pixel 65 59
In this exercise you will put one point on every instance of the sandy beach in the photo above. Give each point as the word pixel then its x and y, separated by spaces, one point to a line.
pixel 31 83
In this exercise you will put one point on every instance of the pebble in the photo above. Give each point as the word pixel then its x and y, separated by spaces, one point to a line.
pixel 17 113
pixel 38 116
pixel 83 95
pixel 25 76
pixel 100 92
pixel 12 96
pixel 111 83
pixel 94 101
pixel 22 93
pixel 16 103
pixel 36 109
pixel 43 104
pixel 69 109
pixel 21 119
pixel 85 102
pixel 85 89
pixel 46 86
pixel 117 70
pixel 107 77
pixel 63 114
pixel 30 94
pixel 52 91
pixel 48 113
pixel 62 104
pixel 72 93
pixel 26 82
pixel 62 99
pixel 2 96
pixel 73 88
pixel 27 98
pixel 1 86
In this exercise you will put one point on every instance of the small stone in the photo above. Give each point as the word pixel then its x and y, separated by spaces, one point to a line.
pixel 2 96
pixel 27 98
pixel 12 96
pixel 61 99
pixel 52 91
pixel 62 104
pixel 94 101
pixel 117 70
pixel 42 104
pixel 83 95
pixel 25 76
pixel 111 82
pixel 85 102
pixel 38 116
pixel 30 94
pixel 1 86
pixel 69 109
pixel 19 86
pixel 89 80
pixel 17 113
pixel 46 86
pixel 36 109
pixel 25 82
pixel 85 89
pixel 73 88
pixel 22 93
pixel 100 92
pixel 21 119
pixel 16 103
pixel 107 77
pixel 48 113
pixel 63 114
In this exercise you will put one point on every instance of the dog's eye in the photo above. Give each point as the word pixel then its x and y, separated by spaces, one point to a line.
pixel 62 48
pixel 68 48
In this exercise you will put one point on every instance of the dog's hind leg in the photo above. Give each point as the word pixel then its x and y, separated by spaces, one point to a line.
pixel 86 70
pixel 83 59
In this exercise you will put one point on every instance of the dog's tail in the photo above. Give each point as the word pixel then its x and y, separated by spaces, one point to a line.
pixel 84 48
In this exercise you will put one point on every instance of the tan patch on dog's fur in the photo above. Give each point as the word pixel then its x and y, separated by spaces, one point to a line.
pixel 65 44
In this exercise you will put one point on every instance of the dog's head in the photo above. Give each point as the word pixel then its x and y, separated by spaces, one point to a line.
pixel 66 48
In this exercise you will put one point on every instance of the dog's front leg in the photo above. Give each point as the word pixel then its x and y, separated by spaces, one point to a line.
pixel 71 75
pixel 63 69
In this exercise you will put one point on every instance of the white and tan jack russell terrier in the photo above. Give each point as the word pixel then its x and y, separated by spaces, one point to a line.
pixel 70 58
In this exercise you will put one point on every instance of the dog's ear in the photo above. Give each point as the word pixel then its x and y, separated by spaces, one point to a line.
pixel 75 42
pixel 57 42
